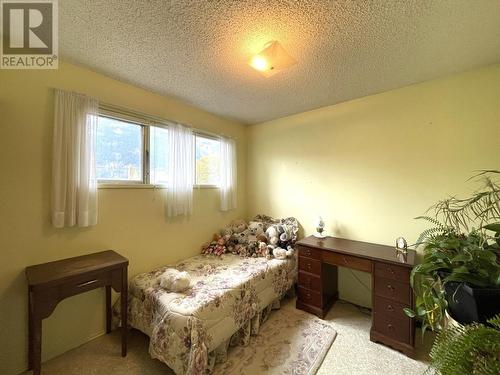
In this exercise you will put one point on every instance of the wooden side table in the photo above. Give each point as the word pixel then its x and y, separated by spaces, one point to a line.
pixel 50 283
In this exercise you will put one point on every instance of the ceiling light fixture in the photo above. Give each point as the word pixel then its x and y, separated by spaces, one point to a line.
pixel 272 59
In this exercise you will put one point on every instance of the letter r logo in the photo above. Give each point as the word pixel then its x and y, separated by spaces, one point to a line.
pixel 27 28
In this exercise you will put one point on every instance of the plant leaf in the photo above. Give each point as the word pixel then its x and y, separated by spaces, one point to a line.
pixel 495 227
pixel 409 312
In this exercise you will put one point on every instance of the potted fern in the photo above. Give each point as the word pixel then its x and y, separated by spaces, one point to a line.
pixel 468 349
pixel 460 271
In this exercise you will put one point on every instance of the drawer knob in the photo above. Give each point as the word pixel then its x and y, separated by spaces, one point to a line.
pixel 308 296
pixel 390 287
pixel 390 270
pixel 308 266
pixel 390 308
pixel 87 283
pixel 307 252
pixel 390 327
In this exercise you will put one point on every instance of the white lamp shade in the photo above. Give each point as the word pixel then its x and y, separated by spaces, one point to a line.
pixel 272 59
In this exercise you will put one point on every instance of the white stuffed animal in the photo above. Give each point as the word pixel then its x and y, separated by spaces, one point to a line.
pixel 280 253
pixel 273 238
pixel 279 241
pixel 174 280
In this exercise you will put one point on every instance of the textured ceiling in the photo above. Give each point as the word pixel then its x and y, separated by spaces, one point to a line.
pixel 197 51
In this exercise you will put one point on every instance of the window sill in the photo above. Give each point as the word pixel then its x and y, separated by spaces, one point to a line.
pixel 146 186
pixel 205 187
pixel 129 186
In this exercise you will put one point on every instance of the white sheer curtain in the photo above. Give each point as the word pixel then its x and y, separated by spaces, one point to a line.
pixel 74 183
pixel 227 187
pixel 180 170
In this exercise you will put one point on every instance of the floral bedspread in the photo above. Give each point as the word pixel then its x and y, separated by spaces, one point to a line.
pixel 190 331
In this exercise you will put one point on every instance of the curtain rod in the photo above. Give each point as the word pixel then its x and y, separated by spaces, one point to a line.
pixel 133 113
pixel 152 118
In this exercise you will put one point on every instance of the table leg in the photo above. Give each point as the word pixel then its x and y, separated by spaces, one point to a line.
pixel 108 308
pixel 30 332
pixel 36 345
pixel 124 307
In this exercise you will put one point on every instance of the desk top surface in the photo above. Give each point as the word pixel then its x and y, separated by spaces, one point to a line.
pixel 62 269
pixel 361 249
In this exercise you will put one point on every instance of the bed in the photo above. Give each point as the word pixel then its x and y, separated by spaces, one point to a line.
pixel 230 298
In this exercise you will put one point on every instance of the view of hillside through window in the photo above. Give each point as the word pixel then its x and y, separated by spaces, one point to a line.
pixel 118 150
pixel 207 161
pixel 158 154
pixel 119 153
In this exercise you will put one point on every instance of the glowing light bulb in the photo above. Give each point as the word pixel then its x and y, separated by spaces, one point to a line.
pixel 272 59
pixel 259 63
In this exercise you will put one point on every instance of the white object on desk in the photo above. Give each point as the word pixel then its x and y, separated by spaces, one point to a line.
pixel 320 228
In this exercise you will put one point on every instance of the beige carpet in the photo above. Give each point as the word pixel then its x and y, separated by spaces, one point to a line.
pixel 351 353
pixel 354 353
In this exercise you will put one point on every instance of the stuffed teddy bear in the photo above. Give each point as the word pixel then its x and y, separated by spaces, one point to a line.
pixel 248 244
pixel 280 253
pixel 257 239
pixel 231 240
pixel 231 243
pixel 285 239
pixel 241 247
pixel 242 237
pixel 254 231
pixel 263 250
pixel 272 237
pixel 238 226
pixel 237 239
pixel 262 238
pixel 174 280
pixel 279 241
pixel 227 231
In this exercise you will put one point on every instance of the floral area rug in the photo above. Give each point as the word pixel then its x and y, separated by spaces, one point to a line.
pixel 289 342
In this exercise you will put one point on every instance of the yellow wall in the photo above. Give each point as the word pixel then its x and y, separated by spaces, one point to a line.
pixel 130 221
pixel 369 166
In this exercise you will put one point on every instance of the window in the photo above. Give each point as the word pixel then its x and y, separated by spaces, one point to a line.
pixel 207 160
pixel 131 151
pixel 119 155
pixel 158 155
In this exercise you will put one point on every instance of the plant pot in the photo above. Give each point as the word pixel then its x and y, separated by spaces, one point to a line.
pixel 468 304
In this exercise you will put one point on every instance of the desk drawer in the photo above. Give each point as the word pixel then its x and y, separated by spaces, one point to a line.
pixel 310 265
pixel 309 281
pixel 309 252
pixel 386 308
pixel 84 283
pixel 349 261
pixel 390 271
pixel 310 297
pixel 396 329
pixel 392 289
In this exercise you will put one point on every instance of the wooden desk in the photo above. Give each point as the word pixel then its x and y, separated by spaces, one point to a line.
pixel 391 291
pixel 49 283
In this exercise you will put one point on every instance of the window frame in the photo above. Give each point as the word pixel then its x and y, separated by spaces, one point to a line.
pixel 144 150
pixel 146 122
